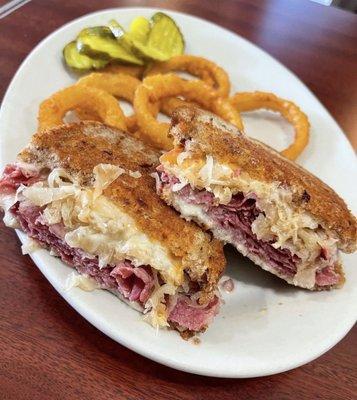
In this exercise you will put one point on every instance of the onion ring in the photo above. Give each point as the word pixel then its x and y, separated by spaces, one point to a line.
pixel 206 70
pixel 250 101
pixel 169 104
pixel 87 115
pixel 98 102
pixel 118 85
pixel 157 87
pixel 133 70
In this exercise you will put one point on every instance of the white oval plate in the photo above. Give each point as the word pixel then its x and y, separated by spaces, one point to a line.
pixel 265 327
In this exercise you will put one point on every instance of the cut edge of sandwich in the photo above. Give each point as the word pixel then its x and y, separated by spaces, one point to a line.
pixel 214 170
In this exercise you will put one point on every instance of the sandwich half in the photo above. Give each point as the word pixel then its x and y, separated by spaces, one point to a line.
pixel 85 192
pixel 273 211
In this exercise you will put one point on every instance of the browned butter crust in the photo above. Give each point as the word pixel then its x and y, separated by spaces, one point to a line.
pixel 79 147
pixel 228 145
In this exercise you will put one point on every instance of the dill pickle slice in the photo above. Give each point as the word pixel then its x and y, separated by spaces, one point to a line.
pixel 136 36
pixel 165 36
pixel 100 42
pixel 164 39
pixel 80 62
pixel 142 50
pixel 139 29
pixel 116 28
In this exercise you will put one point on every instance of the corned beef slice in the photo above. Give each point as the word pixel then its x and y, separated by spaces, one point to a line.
pixel 14 176
pixel 192 316
pixel 135 284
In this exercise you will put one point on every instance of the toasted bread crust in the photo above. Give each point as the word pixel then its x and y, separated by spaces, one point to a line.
pixel 78 148
pixel 226 144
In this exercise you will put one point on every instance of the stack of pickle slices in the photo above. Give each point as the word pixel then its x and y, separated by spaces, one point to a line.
pixel 157 39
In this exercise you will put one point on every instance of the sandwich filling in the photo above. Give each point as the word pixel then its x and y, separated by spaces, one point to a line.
pixel 258 218
pixel 90 233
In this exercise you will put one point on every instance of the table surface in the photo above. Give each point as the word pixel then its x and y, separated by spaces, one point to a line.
pixel 47 351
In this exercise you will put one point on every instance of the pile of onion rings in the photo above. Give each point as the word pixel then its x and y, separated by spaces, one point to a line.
pixel 160 89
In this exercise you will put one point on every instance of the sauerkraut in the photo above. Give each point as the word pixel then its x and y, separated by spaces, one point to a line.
pixel 156 308
pixel 94 224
